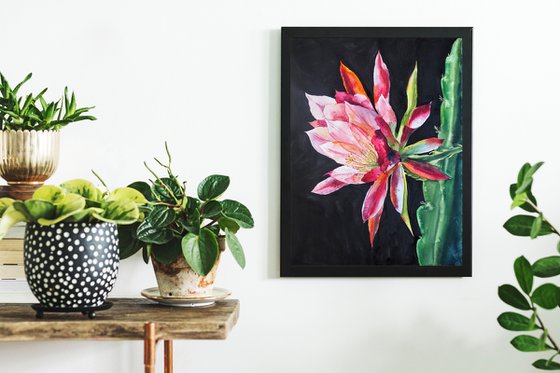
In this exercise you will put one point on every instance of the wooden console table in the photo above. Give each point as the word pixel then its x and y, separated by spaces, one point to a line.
pixel 128 319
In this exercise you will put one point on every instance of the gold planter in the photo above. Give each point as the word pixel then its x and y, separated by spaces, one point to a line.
pixel 28 157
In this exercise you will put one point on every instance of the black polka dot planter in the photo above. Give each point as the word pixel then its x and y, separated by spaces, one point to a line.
pixel 71 265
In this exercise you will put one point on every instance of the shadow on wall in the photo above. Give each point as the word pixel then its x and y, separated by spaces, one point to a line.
pixel 273 169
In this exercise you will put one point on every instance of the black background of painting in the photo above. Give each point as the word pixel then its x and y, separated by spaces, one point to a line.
pixel 328 230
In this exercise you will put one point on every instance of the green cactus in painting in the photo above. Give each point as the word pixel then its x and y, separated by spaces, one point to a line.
pixel 440 217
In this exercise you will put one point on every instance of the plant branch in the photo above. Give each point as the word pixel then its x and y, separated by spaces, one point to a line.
pixel 545 219
pixel 542 327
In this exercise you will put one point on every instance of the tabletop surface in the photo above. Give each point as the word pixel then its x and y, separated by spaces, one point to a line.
pixel 124 321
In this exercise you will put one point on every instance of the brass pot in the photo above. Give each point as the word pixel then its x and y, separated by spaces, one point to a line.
pixel 28 157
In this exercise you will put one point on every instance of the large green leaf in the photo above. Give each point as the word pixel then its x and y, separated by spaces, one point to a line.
pixel 521 225
pixel 9 219
pixel 235 248
pixel 237 212
pixel 143 188
pixel 528 343
pixel 546 364
pixel 524 274
pixel 225 223
pixel 510 295
pixel 547 296
pixel 167 190
pixel 211 209
pixel 168 252
pixel 129 244
pixel 40 209
pixel 212 187
pixel 5 202
pixel 201 251
pixel 120 211
pixel 67 206
pixel 82 187
pixel 127 193
pixel 516 322
pixel 547 267
pixel 48 193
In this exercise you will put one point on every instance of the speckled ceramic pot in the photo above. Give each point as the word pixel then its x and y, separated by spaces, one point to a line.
pixel 179 280
pixel 71 265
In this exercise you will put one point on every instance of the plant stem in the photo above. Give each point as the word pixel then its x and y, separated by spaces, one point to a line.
pixel 162 183
pixel 545 219
pixel 101 180
pixel 211 223
pixel 542 327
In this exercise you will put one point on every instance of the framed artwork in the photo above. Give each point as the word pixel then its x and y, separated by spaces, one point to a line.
pixel 376 152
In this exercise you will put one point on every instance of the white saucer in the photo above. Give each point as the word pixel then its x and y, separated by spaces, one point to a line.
pixel 191 301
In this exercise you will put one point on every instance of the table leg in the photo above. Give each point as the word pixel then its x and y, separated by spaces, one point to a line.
pixel 149 347
pixel 168 356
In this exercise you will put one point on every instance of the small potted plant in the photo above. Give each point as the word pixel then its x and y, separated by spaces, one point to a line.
pixel 185 236
pixel 71 240
pixel 29 125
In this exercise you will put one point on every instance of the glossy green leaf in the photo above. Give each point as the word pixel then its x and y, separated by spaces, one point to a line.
pixel 160 216
pixel 120 211
pixel 510 295
pixel 536 227
pixel 546 364
pixel 237 212
pixel 547 296
pixel 528 343
pixel 67 206
pixel 528 178
pixel 147 233
pixel 521 225
pixel 225 223
pixel 211 209
pixel 547 267
pixel 201 251
pixel 519 200
pixel 167 190
pixel 524 274
pixel 40 209
pixel 235 248
pixel 212 187
pixel 129 244
pixel 528 193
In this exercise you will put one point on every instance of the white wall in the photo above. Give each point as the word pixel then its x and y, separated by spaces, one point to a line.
pixel 205 77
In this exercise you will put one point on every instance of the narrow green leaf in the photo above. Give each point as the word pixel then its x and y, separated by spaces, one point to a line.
pixel 546 365
pixel 547 267
pixel 235 248
pixel 519 200
pixel 510 295
pixel 515 322
pixel 524 274
pixel 528 177
pixel 536 227
pixel 528 343
pixel 521 225
pixel 546 296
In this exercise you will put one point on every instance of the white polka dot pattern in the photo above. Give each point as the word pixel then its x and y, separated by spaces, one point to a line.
pixel 71 265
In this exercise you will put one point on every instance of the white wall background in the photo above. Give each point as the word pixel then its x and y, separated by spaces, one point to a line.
pixel 206 77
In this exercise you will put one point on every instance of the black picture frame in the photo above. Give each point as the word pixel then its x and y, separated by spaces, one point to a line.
pixel 288 268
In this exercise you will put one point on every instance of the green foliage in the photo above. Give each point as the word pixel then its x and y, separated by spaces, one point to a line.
pixel 545 296
pixel 441 233
pixel 33 112
pixel 72 201
pixel 174 224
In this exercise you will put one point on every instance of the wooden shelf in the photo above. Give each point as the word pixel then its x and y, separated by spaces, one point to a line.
pixel 124 321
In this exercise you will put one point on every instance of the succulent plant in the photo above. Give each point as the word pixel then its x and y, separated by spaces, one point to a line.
pixel 33 112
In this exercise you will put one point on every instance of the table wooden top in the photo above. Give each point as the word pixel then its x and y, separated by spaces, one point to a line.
pixel 124 321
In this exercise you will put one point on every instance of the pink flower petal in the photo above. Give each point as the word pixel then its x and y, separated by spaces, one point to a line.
pixel 335 112
pixel 328 186
pixel 386 111
pixel 342 132
pixel 317 105
pixel 372 175
pixel 339 151
pixel 319 136
pixel 351 82
pixel 397 188
pixel 375 197
pixel 318 123
pixel 425 170
pixel 347 175
pixel 342 97
pixel 362 118
pixel 423 146
pixel 417 118
pixel 381 80
pixel 373 226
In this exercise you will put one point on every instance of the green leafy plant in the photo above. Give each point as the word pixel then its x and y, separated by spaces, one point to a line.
pixel 176 224
pixel 76 200
pixel 33 112
pixel 530 297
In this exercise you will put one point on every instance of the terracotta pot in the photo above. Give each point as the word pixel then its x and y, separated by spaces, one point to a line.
pixel 179 280
pixel 28 157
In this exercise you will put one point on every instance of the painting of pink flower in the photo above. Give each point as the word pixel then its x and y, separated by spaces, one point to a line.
pixel 370 145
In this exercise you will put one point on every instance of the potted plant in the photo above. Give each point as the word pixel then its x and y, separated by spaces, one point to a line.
pixel 29 125
pixel 532 297
pixel 183 235
pixel 71 241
